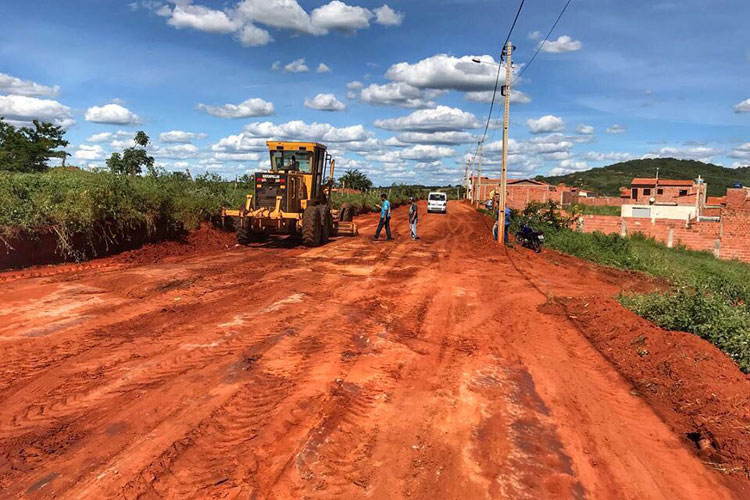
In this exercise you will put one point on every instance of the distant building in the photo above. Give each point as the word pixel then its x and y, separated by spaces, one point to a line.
pixel 644 191
pixel 656 198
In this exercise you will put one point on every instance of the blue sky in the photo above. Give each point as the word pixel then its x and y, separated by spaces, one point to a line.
pixel 389 88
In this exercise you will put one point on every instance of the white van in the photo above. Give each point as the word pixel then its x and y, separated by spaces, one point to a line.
pixel 437 202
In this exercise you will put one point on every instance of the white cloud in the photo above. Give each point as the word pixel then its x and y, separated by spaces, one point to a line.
pixel 516 96
pixel 86 152
pixel 616 129
pixel 545 124
pixel 113 114
pixel 252 36
pixel 110 136
pixel 441 118
pixel 699 153
pixel 243 18
pixel 535 35
pixel 339 16
pixel 399 94
pixel 741 152
pixel 568 167
pixel 562 44
pixel 323 68
pixel 446 72
pixel 355 85
pixel 296 66
pixel 13 85
pixel 246 109
pixel 585 129
pixel 220 157
pixel 434 138
pixel 388 17
pixel 297 129
pixel 19 109
pixel 240 143
pixel 426 152
pixel 325 102
pixel 281 14
pixel 613 156
pixel 276 66
pixel 198 17
pixel 175 151
pixel 180 136
pixel 743 107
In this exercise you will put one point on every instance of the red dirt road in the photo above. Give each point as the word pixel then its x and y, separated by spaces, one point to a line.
pixel 427 369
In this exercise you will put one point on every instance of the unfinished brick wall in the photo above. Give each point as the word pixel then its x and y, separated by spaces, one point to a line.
pixel 698 236
pixel 521 195
pixel 735 235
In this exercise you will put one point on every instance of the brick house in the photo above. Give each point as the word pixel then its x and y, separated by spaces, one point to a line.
pixel 645 190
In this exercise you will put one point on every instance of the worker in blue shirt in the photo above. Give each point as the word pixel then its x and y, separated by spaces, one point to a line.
pixel 385 218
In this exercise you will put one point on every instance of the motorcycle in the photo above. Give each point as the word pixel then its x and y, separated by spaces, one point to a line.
pixel 529 238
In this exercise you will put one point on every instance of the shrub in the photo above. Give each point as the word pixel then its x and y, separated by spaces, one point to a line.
pixel 700 312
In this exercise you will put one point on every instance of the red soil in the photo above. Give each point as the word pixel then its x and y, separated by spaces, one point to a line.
pixel 429 369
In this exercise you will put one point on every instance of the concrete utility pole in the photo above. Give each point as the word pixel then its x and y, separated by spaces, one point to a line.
pixel 479 177
pixel 505 90
pixel 466 179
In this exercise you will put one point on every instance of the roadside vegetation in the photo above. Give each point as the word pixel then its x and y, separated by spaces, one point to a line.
pixel 708 297
pixel 369 197
pixel 91 207
pixel 593 210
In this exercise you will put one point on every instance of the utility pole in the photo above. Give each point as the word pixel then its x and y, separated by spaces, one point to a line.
pixel 466 178
pixel 479 177
pixel 505 90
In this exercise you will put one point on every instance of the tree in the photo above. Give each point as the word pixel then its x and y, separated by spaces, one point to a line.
pixel 29 149
pixel 133 159
pixel 354 179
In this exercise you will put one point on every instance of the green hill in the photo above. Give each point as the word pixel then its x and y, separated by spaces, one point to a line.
pixel 608 180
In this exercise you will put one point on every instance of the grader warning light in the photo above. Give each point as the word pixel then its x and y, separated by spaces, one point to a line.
pixel 293 197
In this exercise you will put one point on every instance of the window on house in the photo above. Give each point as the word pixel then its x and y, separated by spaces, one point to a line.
pixel 659 191
pixel 683 192
pixel 634 193
pixel 646 192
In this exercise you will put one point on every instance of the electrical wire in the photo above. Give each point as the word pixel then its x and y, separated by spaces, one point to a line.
pixel 539 48
pixel 499 67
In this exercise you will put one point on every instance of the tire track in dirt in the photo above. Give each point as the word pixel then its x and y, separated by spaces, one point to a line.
pixel 353 370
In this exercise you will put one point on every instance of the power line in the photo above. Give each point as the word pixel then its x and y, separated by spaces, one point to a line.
pixel 497 78
pixel 539 48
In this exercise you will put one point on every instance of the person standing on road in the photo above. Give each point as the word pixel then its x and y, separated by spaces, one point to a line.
pixel 413 218
pixel 506 238
pixel 385 218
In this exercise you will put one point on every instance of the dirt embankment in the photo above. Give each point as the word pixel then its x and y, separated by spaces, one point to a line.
pixel 44 247
pixel 690 383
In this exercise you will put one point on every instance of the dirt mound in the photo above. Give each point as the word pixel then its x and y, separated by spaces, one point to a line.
pixel 203 240
pixel 693 386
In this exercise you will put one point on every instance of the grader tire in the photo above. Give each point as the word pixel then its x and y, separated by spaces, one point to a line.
pixel 347 213
pixel 311 227
pixel 243 233
pixel 327 222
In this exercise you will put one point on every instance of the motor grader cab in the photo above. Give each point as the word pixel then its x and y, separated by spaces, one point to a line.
pixel 293 197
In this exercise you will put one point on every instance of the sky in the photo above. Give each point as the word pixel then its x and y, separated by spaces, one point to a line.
pixel 391 89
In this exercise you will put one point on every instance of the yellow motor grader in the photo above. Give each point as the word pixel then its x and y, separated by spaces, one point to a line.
pixel 293 197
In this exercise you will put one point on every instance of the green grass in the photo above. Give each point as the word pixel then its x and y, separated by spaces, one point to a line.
pixel 709 297
pixel 592 210
pixel 75 204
